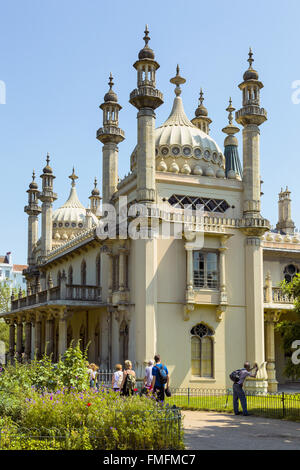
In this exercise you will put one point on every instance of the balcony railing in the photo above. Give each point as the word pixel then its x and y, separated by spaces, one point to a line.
pixel 64 292
pixel 278 297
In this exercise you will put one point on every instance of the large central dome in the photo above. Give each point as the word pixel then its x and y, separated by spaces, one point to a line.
pixel 181 147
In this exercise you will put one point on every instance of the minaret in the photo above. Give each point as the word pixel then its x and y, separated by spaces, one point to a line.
pixel 146 98
pixel 110 135
pixel 33 210
pixel 201 119
pixel 233 167
pixel 47 196
pixel 285 223
pixel 95 199
pixel 251 116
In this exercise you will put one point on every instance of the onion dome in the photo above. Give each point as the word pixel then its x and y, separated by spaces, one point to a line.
pixel 250 74
pixel 33 184
pixel 146 52
pixel 110 95
pixel 71 216
pixel 201 110
pixel 95 191
pixel 47 169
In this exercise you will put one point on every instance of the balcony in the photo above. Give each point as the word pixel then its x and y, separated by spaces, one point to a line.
pixel 275 299
pixel 65 294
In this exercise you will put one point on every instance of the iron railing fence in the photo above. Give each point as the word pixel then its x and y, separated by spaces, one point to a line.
pixel 166 427
pixel 274 405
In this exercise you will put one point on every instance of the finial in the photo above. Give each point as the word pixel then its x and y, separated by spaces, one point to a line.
pixel 230 110
pixel 110 83
pixel 250 60
pixel 95 182
pixel 177 80
pixel 33 176
pixel 146 37
pixel 73 177
pixel 201 98
pixel 48 158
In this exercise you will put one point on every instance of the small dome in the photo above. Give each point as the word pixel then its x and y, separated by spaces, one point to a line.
pixel 186 169
pixel 174 168
pixel 250 74
pixel 209 171
pixel 231 175
pixel 197 170
pixel 111 96
pixel 162 166
pixel 201 111
pixel 146 53
pixel 47 169
pixel 220 173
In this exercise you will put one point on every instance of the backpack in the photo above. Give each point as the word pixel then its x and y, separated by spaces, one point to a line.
pixel 130 383
pixel 163 376
pixel 235 375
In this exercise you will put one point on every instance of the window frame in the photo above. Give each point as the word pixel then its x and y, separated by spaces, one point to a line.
pixel 205 252
pixel 211 338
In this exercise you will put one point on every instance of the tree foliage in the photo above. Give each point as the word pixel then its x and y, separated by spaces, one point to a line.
pixel 290 329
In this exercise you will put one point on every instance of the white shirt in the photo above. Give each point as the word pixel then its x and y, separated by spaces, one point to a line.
pixel 118 376
pixel 148 373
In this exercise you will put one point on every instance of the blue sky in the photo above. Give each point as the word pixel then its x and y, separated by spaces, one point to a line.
pixel 55 59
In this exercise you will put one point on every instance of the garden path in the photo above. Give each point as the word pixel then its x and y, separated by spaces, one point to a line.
pixel 219 431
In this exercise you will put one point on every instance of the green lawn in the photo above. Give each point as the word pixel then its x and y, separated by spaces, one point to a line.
pixel 267 405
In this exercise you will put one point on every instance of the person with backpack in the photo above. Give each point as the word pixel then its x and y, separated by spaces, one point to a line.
pixel 160 375
pixel 117 378
pixel 238 377
pixel 128 385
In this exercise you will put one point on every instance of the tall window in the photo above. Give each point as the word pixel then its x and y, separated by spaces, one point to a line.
pixel 83 273
pixel 123 341
pixel 70 275
pixel 98 270
pixel 202 351
pixel 290 272
pixel 115 284
pixel 205 269
pixel 58 278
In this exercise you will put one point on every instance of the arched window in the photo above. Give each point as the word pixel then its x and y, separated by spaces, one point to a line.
pixel 98 270
pixel 58 278
pixel 124 334
pixel 83 273
pixel 70 275
pixel 202 351
pixel 290 272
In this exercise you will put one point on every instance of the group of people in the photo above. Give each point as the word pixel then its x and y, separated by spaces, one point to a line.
pixel 156 380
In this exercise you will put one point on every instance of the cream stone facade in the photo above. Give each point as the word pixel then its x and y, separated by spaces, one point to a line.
pixel 201 288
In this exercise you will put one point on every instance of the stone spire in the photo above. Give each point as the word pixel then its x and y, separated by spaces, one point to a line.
pixel 233 167
pixel 47 196
pixel 285 223
pixel 251 116
pixel 95 199
pixel 110 135
pixel 146 98
pixel 33 210
pixel 201 119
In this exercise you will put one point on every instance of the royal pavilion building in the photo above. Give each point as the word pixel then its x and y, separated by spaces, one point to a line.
pixel 206 295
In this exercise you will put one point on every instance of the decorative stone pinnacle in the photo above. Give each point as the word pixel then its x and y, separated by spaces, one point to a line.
pixel 110 83
pixel 33 176
pixel 177 80
pixel 201 98
pixel 250 60
pixel 146 37
pixel 95 182
pixel 73 177
pixel 230 110
pixel 48 159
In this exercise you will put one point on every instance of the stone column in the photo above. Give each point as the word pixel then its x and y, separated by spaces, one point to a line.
pixel 28 340
pixel 115 337
pixel 49 337
pixel 270 319
pixel 62 334
pixel 146 155
pixel 222 266
pixel 189 268
pixel 38 336
pixel 121 270
pixel 255 349
pixel 12 340
pixel 109 170
pixel 19 348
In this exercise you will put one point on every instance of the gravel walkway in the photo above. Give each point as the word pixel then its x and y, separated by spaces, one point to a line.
pixel 220 431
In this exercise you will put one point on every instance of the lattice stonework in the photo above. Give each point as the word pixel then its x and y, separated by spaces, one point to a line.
pixel 191 202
